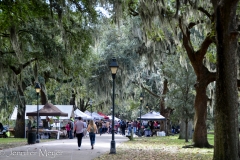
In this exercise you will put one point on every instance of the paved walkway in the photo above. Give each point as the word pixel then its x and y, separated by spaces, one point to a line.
pixel 64 149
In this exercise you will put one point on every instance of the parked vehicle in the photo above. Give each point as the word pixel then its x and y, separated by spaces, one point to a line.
pixel 3 131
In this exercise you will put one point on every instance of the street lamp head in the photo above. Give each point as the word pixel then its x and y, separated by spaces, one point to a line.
pixel 38 88
pixel 141 97
pixel 113 66
pixel 90 102
pixel 147 105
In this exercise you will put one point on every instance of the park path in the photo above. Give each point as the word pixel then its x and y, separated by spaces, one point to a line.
pixel 63 149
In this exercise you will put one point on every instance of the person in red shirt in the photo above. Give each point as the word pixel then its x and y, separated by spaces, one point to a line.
pixel 68 129
pixel 155 124
pixel 138 127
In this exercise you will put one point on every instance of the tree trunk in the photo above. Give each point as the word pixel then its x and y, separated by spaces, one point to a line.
pixel 43 95
pixel 183 132
pixel 186 132
pixel 163 111
pixel 43 101
pixel 200 127
pixel 72 100
pixel 204 77
pixel 20 121
pixel 226 109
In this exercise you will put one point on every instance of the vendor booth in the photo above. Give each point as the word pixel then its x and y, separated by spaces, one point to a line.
pixel 151 116
pixel 48 110
pixel 84 116
pixel 58 114
pixel 104 116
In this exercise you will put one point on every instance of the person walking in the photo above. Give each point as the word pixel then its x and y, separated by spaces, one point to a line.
pixel 85 129
pixel 134 126
pixel 71 125
pixel 129 127
pixel 100 127
pixel 92 129
pixel 123 127
pixel 79 125
pixel 68 128
pixel 108 125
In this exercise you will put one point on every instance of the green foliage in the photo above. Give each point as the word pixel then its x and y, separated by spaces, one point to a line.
pixel 56 41
pixel 181 92
pixel 211 57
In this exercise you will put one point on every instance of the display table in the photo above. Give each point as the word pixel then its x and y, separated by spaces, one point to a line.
pixel 147 133
pixel 46 133
pixel 161 134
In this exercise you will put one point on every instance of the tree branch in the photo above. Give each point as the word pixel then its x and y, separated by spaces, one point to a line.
pixel 212 77
pixel 4 35
pixel 48 75
pixel 149 91
pixel 204 47
pixel 192 24
pixel 3 53
pixel 132 11
pixel 202 10
pixel 187 41
pixel 21 67
pixel 205 12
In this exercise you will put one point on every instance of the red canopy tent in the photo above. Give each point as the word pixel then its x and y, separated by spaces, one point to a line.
pixel 105 116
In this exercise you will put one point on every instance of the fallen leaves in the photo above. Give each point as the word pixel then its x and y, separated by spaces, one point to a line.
pixel 155 148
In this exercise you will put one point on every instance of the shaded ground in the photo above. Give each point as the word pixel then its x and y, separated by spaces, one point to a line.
pixel 155 148
pixel 15 142
pixel 144 148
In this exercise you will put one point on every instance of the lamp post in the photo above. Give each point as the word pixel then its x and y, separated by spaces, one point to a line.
pixel 114 67
pixel 147 107
pixel 141 100
pixel 38 89
pixel 90 102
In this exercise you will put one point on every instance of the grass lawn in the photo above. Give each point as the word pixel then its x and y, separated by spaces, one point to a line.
pixel 15 142
pixel 164 148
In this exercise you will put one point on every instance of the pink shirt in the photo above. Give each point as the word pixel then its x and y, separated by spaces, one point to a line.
pixel 79 125
pixel 67 127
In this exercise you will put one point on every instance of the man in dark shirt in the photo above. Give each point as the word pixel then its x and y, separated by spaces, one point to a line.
pixel 100 127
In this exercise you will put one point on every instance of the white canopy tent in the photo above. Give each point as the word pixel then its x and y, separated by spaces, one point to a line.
pixel 97 116
pixel 32 108
pixel 157 113
pixel 79 113
pixel 115 118
pixel 87 112
pixel 154 116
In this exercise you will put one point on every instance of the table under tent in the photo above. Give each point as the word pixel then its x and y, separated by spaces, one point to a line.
pixel 151 116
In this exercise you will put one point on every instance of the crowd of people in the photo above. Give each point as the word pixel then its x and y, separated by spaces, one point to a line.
pixel 121 127
pixel 137 127
pixel 80 128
